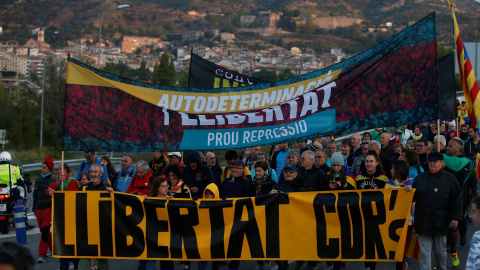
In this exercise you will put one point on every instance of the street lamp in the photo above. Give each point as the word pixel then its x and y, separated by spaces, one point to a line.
pixel 43 95
pixel 100 34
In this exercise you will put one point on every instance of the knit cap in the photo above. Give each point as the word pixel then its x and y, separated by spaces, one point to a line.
pixel 337 159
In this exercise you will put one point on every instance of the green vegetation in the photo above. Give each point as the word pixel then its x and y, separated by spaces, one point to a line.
pixel 20 110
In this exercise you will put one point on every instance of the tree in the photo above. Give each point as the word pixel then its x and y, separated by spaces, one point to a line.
pixel 183 78
pixel 442 50
pixel 165 74
pixel 265 75
pixel 120 69
pixel 286 74
pixel 143 74
pixel 55 74
pixel 155 78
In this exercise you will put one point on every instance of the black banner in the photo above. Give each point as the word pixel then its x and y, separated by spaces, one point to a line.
pixel 205 74
pixel 446 88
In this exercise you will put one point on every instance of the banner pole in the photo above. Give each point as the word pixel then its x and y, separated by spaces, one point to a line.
pixel 438 134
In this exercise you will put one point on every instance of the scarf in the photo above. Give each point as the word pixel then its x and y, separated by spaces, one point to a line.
pixel 45 175
pixel 415 137
pixel 260 183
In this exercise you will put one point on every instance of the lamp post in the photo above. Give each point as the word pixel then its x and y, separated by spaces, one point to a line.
pixel 43 96
pixel 100 34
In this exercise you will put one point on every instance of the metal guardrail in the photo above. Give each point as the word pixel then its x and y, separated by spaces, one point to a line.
pixel 73 163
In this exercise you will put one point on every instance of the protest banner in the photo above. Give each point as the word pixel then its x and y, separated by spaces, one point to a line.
pixel 390 84
pixel 369 225
pixel 205 74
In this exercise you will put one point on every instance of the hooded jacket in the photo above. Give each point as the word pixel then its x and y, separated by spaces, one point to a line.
pixel 214 189
pixel 200 177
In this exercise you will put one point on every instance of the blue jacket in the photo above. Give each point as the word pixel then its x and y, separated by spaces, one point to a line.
pixel 123 179
pixel 200 177
pixel 84 166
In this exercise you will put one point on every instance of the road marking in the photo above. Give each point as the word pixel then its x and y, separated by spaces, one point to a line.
pixel 31 220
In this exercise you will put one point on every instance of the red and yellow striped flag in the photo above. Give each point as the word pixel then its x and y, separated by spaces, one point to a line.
pixel 467 76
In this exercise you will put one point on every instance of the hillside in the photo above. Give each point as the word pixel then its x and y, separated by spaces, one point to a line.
pixel 71 19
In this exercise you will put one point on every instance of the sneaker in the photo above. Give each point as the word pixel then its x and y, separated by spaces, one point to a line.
pixel 463 239
pixel 405 265
pixel 455 261
pixel 41 260
pixel 49 254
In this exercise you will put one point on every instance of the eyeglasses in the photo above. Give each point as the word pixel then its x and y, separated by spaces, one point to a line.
pixel 289 172
pixel 164 186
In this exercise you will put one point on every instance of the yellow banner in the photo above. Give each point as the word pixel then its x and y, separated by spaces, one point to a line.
pixel 206 102
pixel 314 226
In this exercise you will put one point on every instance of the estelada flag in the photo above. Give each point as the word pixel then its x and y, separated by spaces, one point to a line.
pixel 467 75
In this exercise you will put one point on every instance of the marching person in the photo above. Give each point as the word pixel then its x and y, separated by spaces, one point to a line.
pixel 42 206
pixel 96 184
pixel 438 209
pixel 64 182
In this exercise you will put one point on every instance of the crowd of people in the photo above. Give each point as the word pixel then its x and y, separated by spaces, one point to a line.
pixel 437 162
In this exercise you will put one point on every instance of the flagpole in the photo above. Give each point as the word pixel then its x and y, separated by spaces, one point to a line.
pixel 190 67
pixel 438 135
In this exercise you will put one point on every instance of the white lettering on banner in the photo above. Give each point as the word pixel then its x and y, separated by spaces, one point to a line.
pixel 237 101
pixel 222 138
pixel 256 135
pixel 296 129
pixel 310 106
pixel 229 76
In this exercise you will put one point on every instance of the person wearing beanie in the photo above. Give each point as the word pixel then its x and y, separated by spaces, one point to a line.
pixel 42 205
pixel 337 159
pixel 339 180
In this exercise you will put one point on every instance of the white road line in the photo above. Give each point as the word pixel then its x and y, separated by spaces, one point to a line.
pixel 31 220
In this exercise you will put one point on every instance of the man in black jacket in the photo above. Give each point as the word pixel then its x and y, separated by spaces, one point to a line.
pixel 469 147
pixel 438 209
pixel 313 177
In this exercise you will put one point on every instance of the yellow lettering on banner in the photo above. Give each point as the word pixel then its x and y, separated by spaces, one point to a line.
pixel 341 225
pixel 195 103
